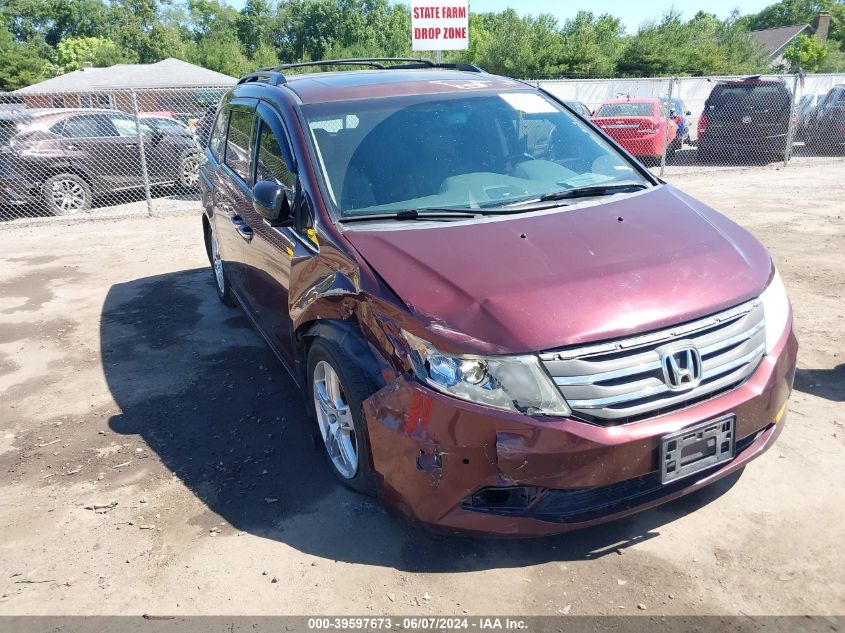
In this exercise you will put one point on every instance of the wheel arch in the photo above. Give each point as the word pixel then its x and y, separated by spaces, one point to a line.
pixel 55 170
pixel 206 236
pixel 347 335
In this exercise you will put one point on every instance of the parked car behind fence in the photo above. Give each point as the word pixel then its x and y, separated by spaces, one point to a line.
pixel 825 128
pixel 751 116
pixel 62 159
pixel 639 125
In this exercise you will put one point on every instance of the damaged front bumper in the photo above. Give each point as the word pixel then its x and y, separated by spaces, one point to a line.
pixel 461 467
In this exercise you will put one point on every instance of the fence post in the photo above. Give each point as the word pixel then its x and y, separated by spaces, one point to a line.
pixel 144 174
pixel 790 130
pixel 666 126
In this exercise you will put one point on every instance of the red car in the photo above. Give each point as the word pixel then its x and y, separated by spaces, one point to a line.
pixel 638 125
pixel 500 322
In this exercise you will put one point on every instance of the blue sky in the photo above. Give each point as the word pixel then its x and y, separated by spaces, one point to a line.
pixel 631 12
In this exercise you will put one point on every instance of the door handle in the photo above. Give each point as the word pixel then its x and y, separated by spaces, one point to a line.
pixel 245 232
pixel 130 144
pixel 242 227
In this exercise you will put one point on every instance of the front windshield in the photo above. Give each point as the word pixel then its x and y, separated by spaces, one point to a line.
pixel 456 151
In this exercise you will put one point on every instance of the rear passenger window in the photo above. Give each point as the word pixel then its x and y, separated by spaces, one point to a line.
pixel 239 144
pixel 88 126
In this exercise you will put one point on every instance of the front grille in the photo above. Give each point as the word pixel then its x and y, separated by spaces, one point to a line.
pixel 621 381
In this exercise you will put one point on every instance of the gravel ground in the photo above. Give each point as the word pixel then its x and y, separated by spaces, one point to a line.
pixel 157 460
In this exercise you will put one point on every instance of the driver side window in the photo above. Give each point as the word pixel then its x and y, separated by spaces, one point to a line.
pixel 271 165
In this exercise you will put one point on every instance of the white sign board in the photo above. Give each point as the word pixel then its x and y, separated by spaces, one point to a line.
pixel 439 25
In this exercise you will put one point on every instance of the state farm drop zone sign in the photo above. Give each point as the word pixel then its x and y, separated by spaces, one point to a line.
pixel 439 25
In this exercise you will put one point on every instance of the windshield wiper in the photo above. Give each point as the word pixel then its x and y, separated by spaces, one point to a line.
pixel 593 190
pixel 412 214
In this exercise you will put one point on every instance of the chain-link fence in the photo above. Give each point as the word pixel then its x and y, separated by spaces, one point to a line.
pixel 692 122
pixel 102 153
pixel 136 151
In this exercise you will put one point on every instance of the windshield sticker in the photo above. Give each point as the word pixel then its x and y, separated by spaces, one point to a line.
pixel 527 102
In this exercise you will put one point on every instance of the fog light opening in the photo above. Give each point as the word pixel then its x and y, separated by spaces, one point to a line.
pixel 505 498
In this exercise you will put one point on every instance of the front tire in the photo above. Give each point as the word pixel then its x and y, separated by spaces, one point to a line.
pixel 221 283
pixel 66 194
pixel 338 389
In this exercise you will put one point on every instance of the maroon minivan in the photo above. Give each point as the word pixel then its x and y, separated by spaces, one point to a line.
pixel 503 323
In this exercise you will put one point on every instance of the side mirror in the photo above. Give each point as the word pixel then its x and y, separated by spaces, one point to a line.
pixel 271 202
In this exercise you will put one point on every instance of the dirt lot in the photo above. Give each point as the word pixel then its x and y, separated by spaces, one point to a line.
pixel 127 388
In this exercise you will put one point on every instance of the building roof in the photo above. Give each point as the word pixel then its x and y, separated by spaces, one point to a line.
pixel 168 73
pixel 775 39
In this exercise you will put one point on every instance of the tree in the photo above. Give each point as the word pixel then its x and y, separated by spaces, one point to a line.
pixel 222 52
pixel 806 52
pixel 21 63
pixel 73 52
pixel 264 56
pixel 591 46
pixel 833 62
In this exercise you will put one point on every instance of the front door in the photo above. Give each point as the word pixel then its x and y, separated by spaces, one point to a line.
pixel 92 142
pixel 232 193
pixel 273 249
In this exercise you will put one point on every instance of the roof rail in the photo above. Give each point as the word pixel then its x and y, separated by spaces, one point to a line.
pixel 269 75
pixel 375 62
pixel 275 76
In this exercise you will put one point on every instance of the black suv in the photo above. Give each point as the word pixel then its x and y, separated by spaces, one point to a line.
pixel 748 116
pixel 63 158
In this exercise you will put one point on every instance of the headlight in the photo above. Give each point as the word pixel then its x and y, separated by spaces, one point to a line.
pixel 513 383
pixel 775 309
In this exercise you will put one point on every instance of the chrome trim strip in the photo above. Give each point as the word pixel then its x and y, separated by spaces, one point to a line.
pixel 715 347
pixel 724 368
pixel 638 341
pixel 589 379
pixel 598 403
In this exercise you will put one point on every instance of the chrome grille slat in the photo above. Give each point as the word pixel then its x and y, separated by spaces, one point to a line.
pixel 738 362
pixel 608 375
pixel 612 414
pixel 618 381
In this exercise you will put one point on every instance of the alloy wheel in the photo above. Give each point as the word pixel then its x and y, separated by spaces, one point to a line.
pixel 190 173
pixel 68 196
pixel 334 417
pixel 217 262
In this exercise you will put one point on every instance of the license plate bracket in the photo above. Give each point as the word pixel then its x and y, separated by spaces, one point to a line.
pixel 696 448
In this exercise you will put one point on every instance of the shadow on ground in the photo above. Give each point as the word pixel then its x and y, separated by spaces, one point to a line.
pixel 205 393
pixel 824 383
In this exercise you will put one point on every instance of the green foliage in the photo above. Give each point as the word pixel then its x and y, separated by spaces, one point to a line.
pixel 834 61
pixel 39 38
pixel 21 64
pixel 73 52
pixel 806 52
pixel 702 46
pixel 591 46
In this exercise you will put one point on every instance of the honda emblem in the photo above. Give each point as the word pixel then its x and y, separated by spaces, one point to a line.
pixel 681 366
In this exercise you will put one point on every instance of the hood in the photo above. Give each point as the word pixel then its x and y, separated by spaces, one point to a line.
pixel 540 281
